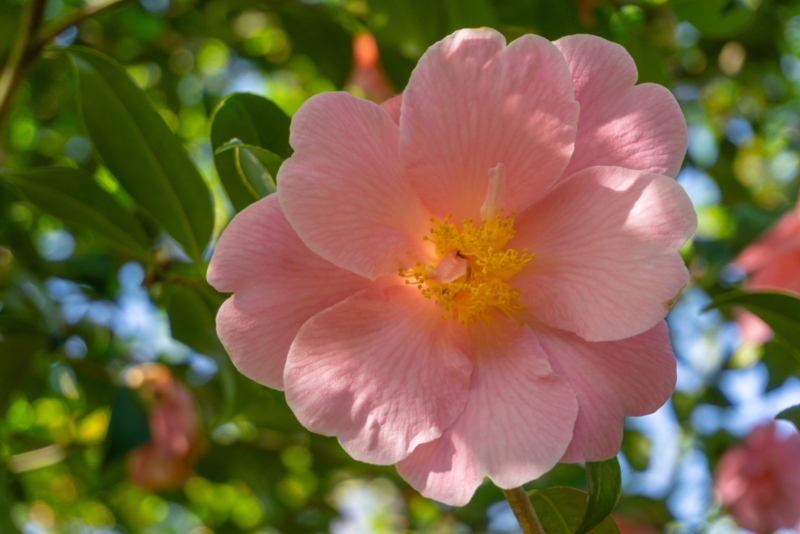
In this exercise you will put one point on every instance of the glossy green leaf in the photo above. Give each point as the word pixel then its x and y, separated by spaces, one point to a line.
pixel 74 197
pixel 560 511
pixel 603 484
pixel 142 153
pixel 781 311
pixel 251 121
pixel 127 427
pixel 792 415
pixel 256 167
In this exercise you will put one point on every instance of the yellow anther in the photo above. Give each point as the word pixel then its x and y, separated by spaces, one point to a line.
pixel 484 286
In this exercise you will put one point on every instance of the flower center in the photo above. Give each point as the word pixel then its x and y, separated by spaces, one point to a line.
pixel 472 275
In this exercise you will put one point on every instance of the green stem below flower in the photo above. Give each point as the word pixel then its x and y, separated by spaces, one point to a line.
pixel 523 510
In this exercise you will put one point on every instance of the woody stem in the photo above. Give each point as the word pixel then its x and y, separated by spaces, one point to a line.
pixel 523 510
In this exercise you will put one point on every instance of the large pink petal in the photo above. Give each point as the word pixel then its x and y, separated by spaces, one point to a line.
pixel 344 190
pixel 612 380
pixel 382 371
pixel 606 243
pixel 472 103
pixel 638 127
pixel 279 285
pixel 516 426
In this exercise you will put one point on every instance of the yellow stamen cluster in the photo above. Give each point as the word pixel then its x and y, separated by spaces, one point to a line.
pixel 490 265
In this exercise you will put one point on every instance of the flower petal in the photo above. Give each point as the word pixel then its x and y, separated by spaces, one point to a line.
pixel 279 285
pixel 392 107
pixel 344 190
pixel 472 103
pixel 380 370
pixel 606 243
pixel 612 380
pixel 516 426
pixel 638 127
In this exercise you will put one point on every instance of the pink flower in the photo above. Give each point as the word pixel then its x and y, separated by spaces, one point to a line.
pixel 167 460
pixel 772 262
pixel 630 526
pixel 471 279
pixel 759 482
pixel 367 74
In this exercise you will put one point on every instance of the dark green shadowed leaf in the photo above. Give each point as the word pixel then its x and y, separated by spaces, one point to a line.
pixel 792 415
pixel 603 484
pixel 192 312
pixel 18 351
pixel 255 122
pixel 74 197
pixel 142 153
pixel 127 428
pixel 781 311
pixel 316 32
pixel 560 511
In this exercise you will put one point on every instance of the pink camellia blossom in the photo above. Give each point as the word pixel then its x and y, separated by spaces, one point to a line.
pixel 367 76
pixel 759 482
pixel 167 460
pixel 471 279
pixel 772 262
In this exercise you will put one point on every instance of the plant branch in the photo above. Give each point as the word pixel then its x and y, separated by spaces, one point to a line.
pixel 21 56
pixel 523 510
pixel 32 38
pixel 56 28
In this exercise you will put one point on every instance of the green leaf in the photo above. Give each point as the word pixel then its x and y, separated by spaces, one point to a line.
pixel 715 18
pixel 315 31
pixel 74 197
pixel 142 153
pixel 192 312
pixel 781 311
pixel 256 167
pixel 791 414
pixel 7 500
pixel 251 121
pixel 560 510
pixel 18 351
pixel 127 427
pixel 603 484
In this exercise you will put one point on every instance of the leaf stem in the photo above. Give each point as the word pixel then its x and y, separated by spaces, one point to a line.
pixel 523 510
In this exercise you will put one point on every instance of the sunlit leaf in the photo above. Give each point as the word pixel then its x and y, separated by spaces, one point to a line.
pixel 142 153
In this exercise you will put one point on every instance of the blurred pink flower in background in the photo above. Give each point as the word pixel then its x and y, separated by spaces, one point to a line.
pixel 167 460
pixel 367 74
pixel 759 482
pixel 471 279
pixel 772 262
pixel 626 525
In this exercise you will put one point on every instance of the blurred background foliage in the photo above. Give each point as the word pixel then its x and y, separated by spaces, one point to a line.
pixel 102 253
